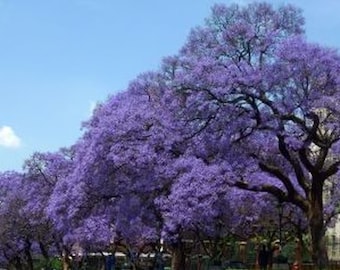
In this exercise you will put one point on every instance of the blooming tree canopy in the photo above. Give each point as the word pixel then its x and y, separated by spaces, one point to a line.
pixel 250 75
pixel 246 111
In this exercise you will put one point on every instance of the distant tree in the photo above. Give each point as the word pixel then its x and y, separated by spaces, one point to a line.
pixel 249 78
pixel 16 238
pixel 42 173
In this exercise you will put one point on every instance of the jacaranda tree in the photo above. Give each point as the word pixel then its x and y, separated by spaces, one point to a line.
pixel 121 167
pixel 249 75
pixel 43 171
pixel 247 111
pixel 14 226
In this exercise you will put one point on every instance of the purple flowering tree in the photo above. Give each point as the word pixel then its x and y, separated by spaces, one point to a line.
pixel 201 207
pixel 16 237
pixel 76 230
pixel 42 173
pixel 250 78
pixel 247 103
pixel 120 169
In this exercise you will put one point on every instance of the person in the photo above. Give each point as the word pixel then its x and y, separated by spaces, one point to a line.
pixel 159 261
pixel 110 262
pixel 263 258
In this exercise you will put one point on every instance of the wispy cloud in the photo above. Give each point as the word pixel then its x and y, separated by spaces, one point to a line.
pixel 8 138
pixel 93 105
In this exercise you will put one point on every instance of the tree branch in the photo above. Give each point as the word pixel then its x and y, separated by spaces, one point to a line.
pixel 333 169
pixel 295 164
pixel 276 172
pixel 279 194
pixel 275 191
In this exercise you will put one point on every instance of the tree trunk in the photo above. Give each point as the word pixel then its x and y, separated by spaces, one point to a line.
pixel 28 255
pixel 66 260
pixel 46 256
pixel 18 263
pixel 178 257
pixel 29 260
pixel 317 227
pixel 319 249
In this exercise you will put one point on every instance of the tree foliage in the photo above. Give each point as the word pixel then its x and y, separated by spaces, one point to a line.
pixel 243 118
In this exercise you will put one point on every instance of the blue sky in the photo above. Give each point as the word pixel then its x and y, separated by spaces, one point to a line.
pixel 59 57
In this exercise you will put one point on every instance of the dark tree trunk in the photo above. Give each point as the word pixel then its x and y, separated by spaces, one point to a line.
pixel 317 227
pixel 319 249
pixel 46 256
pixel 178 257
pixel 28 255
pixel 18 263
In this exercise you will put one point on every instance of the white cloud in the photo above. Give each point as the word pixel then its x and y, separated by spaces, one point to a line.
pixel 93 106
pixel 8 138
